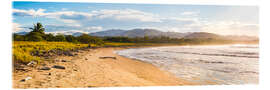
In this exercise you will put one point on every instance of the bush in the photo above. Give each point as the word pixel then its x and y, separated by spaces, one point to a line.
pixel 71 38
pixel 49 37
pixel 60 38
pixel 34 36
pixel 18 37
pixel 84 38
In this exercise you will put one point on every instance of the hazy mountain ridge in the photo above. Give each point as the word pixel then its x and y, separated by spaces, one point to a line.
pixel 139 33
pixel 202 35
pixel 155 33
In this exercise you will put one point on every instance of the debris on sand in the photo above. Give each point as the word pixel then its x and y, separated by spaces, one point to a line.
pixel 45 68
pixel 58 67
pixel 64 61
pixel 27 78
pixel 107 57
pixel 32 63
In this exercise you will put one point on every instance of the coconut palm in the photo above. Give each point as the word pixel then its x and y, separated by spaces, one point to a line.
pixel 38 28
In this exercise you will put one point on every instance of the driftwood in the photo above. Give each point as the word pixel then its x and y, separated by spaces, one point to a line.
pixel 58 67
pixel 107 57
pixel 45 68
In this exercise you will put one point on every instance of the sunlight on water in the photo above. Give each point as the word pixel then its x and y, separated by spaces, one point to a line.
pixel 221 64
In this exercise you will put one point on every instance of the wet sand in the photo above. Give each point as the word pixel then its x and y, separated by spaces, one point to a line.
pixel 87 70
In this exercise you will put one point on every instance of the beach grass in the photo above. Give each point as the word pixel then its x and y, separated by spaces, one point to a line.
pixel 23 50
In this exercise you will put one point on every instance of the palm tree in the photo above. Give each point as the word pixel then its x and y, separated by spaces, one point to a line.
pixel 37 33
pixel 38 28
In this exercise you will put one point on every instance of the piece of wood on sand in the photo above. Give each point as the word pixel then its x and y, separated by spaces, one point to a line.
pixel 107 57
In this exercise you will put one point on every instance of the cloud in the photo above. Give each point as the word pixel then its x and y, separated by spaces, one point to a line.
pixel 72 17
pixel 64 32
pixel 127 15
pixel 16 27
pixel 93 28
pixel 31 12
pixel 67 28
pixel 190 13
pixel 193 20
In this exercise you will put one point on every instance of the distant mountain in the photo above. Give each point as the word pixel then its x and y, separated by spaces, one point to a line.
pixel 138 33
pixel 153 33
pixel 110 33
pixel 76 34
pixel 201 35
pixel 21 33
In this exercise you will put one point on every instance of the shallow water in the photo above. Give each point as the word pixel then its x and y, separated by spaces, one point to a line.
pixel 222 64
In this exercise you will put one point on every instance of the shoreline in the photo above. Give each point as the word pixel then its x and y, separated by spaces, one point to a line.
pixel 88 69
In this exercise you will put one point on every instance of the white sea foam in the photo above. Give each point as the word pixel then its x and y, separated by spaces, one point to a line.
pixel 222 64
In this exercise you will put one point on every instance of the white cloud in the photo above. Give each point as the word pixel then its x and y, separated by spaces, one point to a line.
pixel 127 15
pixel 72 17
pixel 93 28
pixel 64 32
pixel 70 27
pixel 16 27
pixel 31 12
pixel 191 20
pixel 190 13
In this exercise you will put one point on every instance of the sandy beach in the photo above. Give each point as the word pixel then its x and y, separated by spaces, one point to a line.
pixel 87 69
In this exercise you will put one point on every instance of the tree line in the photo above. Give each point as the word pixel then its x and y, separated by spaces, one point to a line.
pixel 164 39
pixel 38 34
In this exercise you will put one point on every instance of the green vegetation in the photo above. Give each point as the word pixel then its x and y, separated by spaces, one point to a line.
pixel 32 46
pixel 26 51
pixel 38 34
pixel 163 39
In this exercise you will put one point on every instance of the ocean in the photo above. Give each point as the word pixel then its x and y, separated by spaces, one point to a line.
pixel 213 64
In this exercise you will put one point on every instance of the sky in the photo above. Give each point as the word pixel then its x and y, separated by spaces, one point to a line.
pixel 69 17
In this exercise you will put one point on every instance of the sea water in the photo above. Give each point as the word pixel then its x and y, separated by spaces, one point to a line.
pixel 220 64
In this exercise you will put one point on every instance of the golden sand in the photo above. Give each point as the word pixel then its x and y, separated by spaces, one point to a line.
pixel 87 69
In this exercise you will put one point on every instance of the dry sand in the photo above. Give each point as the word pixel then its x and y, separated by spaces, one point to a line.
pixel 87 70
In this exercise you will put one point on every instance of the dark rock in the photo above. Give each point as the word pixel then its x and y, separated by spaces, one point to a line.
pixel 64 60
pixel 58 67
pixel 45 68
pixel 70 54
pixel 86 59
pixel 21 69
pixel 67 53
pixel 23 80
pixel 49 74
